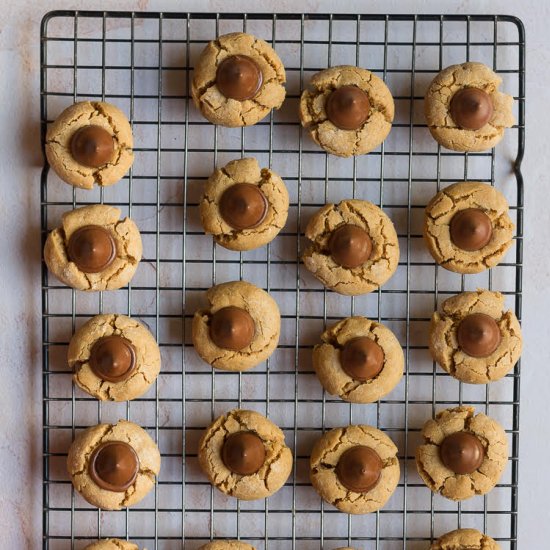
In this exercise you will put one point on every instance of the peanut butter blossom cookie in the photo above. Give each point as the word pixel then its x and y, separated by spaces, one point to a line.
pixel 226 545
pixel 90 142
pixel 94 249
pixel 465 539
pixel 244 207
pixel 463 454
pixel 359 360
pixel 474 338
pixel 114 358
pixel 465 110
pixel 238 80
pixel 113 465
pixel 355 468
pixel 240 327
pixel 112 544
pixel 347 110
pixel 244 455
pixel 467 227
pixel 354 247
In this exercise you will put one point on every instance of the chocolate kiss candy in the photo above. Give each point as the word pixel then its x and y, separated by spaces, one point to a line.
pixel 239 77
pixel 471 108
pixel 114 466
pixel 471 229
pixel 362 358
pixel 113 358
pixel 92 248
pixel 348 107
pixel 359 469
pixel 462 452
pixel 92 146
pixel 350 246
pixel 243 206
pixel 232 328
pixel 478 335
pixel 243 453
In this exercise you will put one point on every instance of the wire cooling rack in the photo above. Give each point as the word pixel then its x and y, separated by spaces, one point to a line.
pixel 143 62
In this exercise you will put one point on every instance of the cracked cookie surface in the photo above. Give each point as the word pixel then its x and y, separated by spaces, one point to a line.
pixel 441 479
pixel 226 545
pixel 327 365
pixel 225 111
pixel 245 170
pixel 324 459
pixel 385 247
pixel 267 320
pixel 147 357
pixel 465 539
pixel 75 117
pixel 437 107
pixel 128 248
pixel 112 544
pixel 461 196
pixel 444 345
pixel 334 140
pixel 85 444
pixel 272 474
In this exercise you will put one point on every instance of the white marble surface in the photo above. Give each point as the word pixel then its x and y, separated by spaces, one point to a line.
pixel 20 160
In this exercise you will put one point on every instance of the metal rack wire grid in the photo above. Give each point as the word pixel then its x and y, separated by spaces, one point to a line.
pixel 143 63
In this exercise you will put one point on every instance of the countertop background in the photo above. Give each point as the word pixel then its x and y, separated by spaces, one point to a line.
pixel 20 161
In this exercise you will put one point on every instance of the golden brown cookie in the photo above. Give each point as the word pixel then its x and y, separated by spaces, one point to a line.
pixel 94 249
pixel 238 79
pixel 239 328
pixel 463 454
pixel 112 544
pixel 226 545
pixel 467 227
pixel 355 468
pixel 359 360
pixel 114 358
pixel 113 465
pixel 244 207
pixel 354 247
pixel 465 539
pixel 90 142
pixel 244 455
pixel 464 109
pixel 347 110
pixel 474 338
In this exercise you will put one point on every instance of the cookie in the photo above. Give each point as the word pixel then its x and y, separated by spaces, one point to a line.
pixel 347 110
pixel 240 327
pixel 114 358
pixel 244 207
pixel 464 109
pixel 464 454
pixel 359 360
pixel 238 80
pixel 465 539
pixel 244 455
pixel 354 247
pixel 94 249
pixel 474 338
pixel 355 468
pixel 467 227
pixel 226 545
pixel 113 465
pixel 112 544
pixel 90 142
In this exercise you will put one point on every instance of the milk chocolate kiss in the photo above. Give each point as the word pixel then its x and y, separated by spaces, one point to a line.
pixel 350 246
pixel 243 206
pixel 471 108
pixel 362 358
pixel 478 335
pixel 243 453
pixel 92 146
pixel 359 469
pixel 348 107
pixel 471 229
pixel 92 248
pixel 462 452
pixel 114 466
pixel 232 328
pixel 239 77
pixel 113 358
